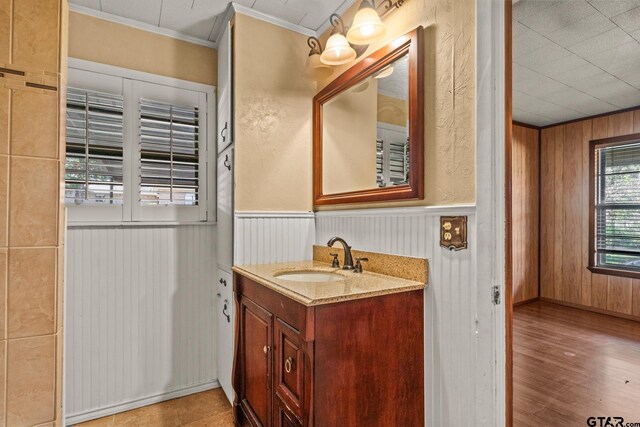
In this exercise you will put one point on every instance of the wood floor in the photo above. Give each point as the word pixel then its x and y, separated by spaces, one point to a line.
pixel 571 364
pixel 207 409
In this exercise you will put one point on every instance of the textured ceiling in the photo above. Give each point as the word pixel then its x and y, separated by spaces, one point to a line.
pixel 197 18
pixel 574 58
pixel 397 84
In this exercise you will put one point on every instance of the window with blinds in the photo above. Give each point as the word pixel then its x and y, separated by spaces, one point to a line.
pixel 392 162
pixel 93 170
pixel 616 194
pixel 169 154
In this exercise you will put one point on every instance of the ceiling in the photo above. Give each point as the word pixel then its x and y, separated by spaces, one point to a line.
pixel 574 58
pixel 397 84
pixel 197 18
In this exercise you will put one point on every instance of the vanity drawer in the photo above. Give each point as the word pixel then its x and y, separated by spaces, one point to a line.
pixel 290 367
pixel 291 312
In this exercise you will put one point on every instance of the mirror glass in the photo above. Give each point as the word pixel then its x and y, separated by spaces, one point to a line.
pixel 365 132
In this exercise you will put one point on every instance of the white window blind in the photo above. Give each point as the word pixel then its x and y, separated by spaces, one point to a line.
pixel 392 155
pixel 617 206
pixel 169 154
pixel 94 149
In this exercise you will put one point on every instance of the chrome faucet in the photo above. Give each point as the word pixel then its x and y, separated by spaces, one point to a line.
pixel 348 259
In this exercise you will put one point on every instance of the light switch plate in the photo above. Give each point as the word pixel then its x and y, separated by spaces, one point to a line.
pixel 453 232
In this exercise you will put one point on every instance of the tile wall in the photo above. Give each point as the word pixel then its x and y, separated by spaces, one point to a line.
pixel 32 52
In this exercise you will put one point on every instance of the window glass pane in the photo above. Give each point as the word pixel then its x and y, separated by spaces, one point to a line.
pixel 94 148
pixel 169 154
pixel 618 206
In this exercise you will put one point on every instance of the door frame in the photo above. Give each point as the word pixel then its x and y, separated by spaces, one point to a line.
pixel 508 197
pixel 491 200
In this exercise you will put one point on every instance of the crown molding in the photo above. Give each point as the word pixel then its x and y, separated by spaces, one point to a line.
pixel 273 20
pixel 219 24
pixel 340 11
pixel 140 25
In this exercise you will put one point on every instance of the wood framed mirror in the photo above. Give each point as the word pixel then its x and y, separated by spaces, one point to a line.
pixel 368 128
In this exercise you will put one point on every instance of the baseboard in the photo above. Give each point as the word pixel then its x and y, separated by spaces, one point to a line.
pixel 138 403
pixel 527 301
pixel 592 309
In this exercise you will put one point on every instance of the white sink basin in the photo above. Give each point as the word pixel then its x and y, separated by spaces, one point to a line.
pixel 310 276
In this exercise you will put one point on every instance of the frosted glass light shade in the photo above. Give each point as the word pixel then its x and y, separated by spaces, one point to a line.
pixel 315 69
pixel 337 51
pixel 385 72
pixel 366 27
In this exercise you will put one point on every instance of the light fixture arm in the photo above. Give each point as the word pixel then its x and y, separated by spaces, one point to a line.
pixel 389 5
pixel 337 21
pixel 314 45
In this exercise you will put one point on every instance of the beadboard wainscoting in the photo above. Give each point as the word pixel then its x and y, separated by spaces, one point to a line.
pixel 266 237
pixel 450 298
pixel 140 316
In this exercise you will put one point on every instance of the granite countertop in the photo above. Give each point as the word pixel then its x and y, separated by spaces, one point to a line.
pixel 356 285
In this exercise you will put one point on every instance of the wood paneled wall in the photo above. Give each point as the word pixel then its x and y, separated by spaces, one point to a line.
pixel 564 232
pixel 525 213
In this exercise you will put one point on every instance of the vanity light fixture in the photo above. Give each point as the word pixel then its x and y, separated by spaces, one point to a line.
pixel 367 26
pixel 385 72
pixel 315 68
pixel 346 44
pixel 338 51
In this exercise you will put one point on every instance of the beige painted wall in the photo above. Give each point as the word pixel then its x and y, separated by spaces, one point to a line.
pixel 106 42
pixel 392 110
pixel 449 95
pixel 272 118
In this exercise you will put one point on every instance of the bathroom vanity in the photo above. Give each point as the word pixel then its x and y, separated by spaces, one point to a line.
pixel 320 346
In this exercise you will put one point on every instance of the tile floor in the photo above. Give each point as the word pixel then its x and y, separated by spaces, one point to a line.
pixel 206 409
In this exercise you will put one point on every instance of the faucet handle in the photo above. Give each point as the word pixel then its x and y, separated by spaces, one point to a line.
pixel 358 266
pixel 335 263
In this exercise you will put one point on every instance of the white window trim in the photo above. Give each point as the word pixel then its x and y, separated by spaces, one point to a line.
pixel 86 215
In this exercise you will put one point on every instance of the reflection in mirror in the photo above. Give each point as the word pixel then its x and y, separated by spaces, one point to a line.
pixel 365 133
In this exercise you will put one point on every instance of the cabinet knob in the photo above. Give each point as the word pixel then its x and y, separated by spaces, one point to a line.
pixel 266 349
pixel 288 365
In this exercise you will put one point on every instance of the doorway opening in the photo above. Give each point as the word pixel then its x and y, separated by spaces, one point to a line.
pixel 573 212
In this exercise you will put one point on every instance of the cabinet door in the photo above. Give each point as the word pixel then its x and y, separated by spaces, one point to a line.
pixel 224 229
pixel 225 127
pixel 224 337
pixel 255 346
pixel 283 417
pixel 290 367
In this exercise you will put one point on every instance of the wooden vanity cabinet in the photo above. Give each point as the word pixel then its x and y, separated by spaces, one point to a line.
pixel 352 363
